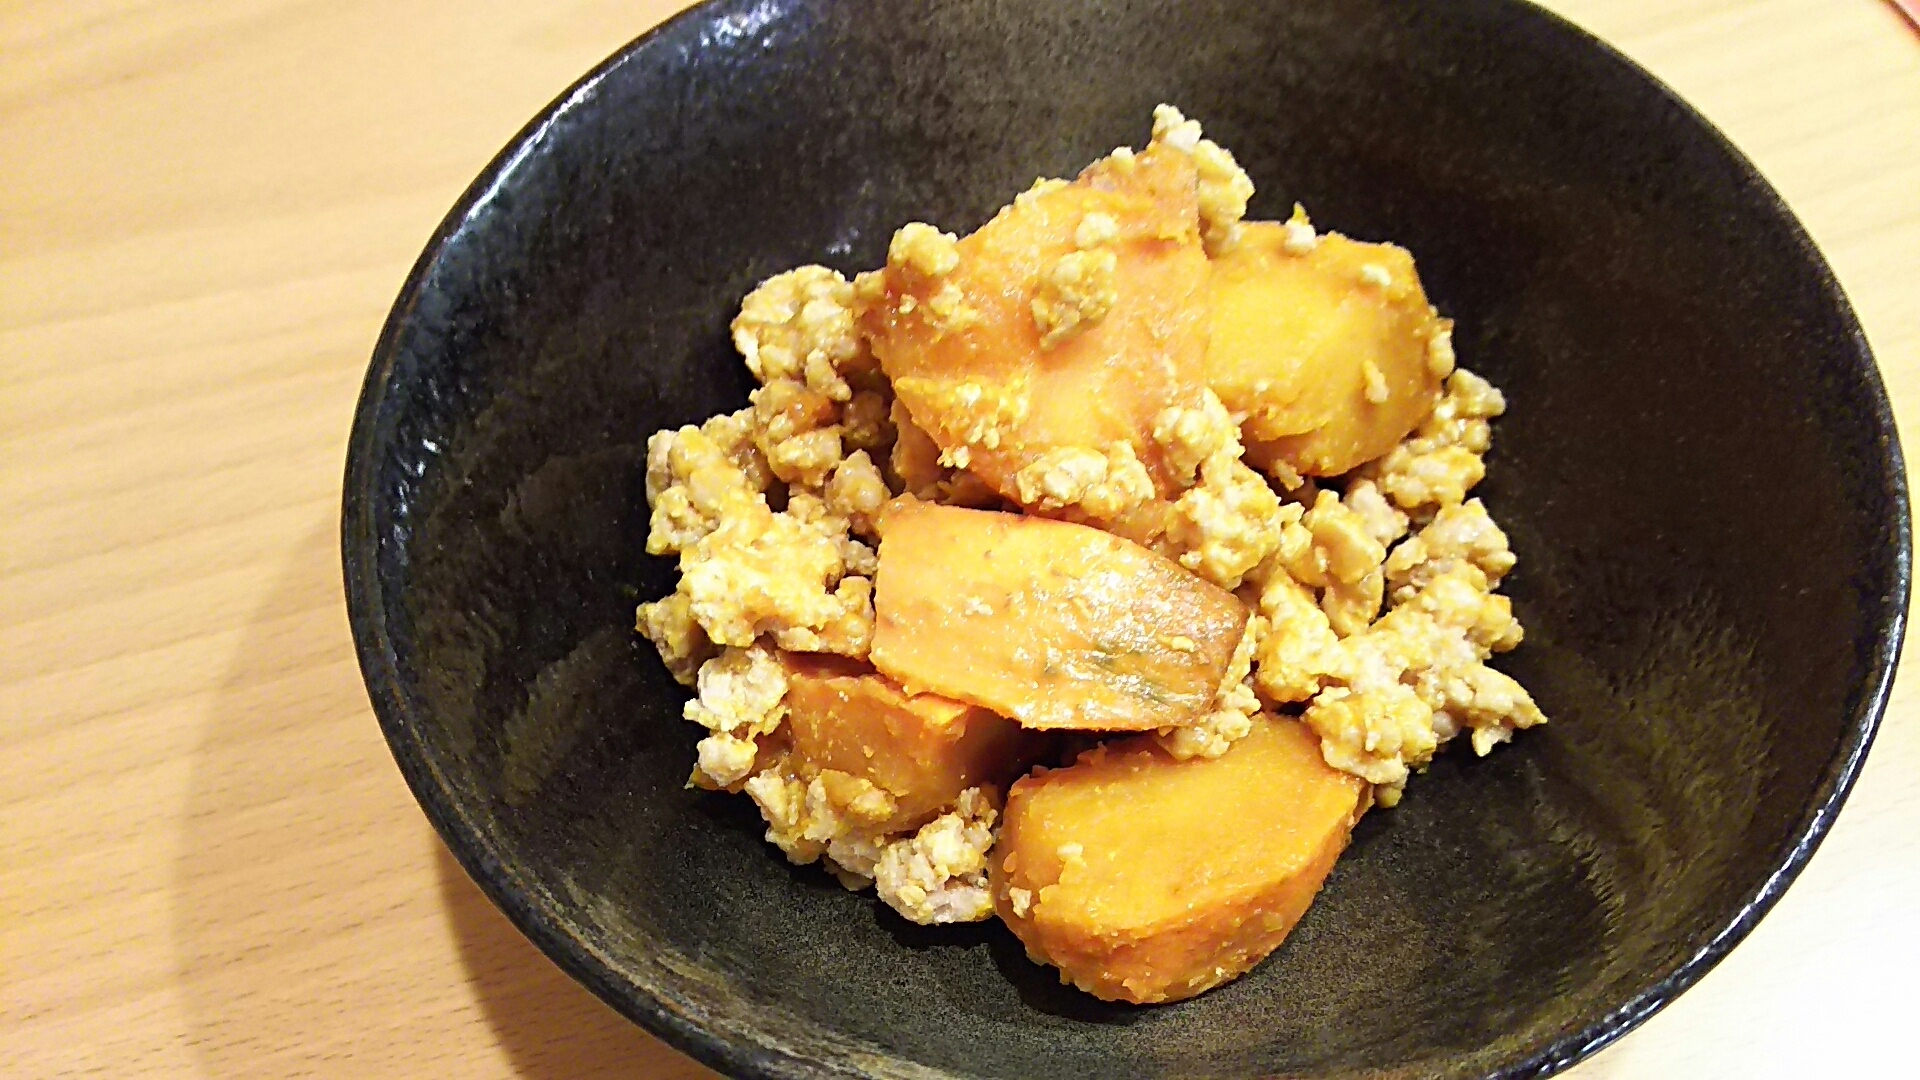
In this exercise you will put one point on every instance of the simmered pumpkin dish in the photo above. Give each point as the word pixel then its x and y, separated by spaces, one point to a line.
pixel 1097 570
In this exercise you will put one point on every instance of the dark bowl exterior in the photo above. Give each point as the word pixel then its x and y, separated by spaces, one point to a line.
pixel 1699 472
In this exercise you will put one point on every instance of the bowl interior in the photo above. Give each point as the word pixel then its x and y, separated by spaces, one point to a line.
pixel 1698 473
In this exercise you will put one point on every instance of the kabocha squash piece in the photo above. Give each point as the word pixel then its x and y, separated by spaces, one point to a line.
pixel 1068 321
pixel 1054 624
pixel 916 463
pixel 1146 879
pixel 915 457
pixel 922 750
pixel 1327 349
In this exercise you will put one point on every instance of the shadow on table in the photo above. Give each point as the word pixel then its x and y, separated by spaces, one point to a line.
pixel 552 1026
pixel 307 940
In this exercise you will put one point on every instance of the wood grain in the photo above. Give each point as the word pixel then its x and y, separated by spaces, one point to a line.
pixel 208 864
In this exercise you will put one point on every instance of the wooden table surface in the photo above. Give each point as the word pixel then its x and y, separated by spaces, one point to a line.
pixel 209 866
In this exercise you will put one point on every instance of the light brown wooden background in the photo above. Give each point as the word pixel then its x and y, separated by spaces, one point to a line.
pixel 208 864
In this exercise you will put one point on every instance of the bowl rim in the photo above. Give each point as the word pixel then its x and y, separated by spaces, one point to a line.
pixel 681 1026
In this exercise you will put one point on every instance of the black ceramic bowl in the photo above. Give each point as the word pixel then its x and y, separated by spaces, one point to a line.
pixel 1699 473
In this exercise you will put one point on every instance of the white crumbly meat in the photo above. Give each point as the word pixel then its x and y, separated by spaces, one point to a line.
pixel 1343 561
pixel 1440 355
pixel 1464 532
pixel 935 874
pixel 1440 462
pixel 922 252
pixel 853 859
pixel 741 697
pixel 1229 524
pixel 741 690
pixel 670 625
pixel 1343 549
pixel 811 816
pixel 762 572
pixel 1099 486
pixel 1191 437
pixel 822 397
pixel 1300 647
pixel 1436 478
pixel 1229 520
pixel 1300 238
pixel 1417 677
pixel 1493 705
pixel 797 429
pixel 1375 734
pixel 857 492
pixel 697 475
pixel 1384 522
pixel 800 325
pixel 782 799
pixel 921 258
pixel 939 875
pixel 723 760
pixel 1224 185
pixel 1094 230
pixel 747 570
pixel 1462 415
pixel 924 258
pixel 1211 736
pixel 1234 706
pixel 1385 696
pixel 1075 292
pixel 1460 597
pixel 1385 693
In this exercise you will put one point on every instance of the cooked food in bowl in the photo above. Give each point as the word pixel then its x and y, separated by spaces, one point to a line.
pixel 1096 571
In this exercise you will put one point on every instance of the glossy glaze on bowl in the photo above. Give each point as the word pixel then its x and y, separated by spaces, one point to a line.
pixel 1698 470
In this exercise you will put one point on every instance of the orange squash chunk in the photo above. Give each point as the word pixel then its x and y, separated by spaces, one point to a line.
pixel 1054 624
pixel 916 463
pixel 970 360
pixel 1326 352
pixel 923 750
pixel 1146 879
